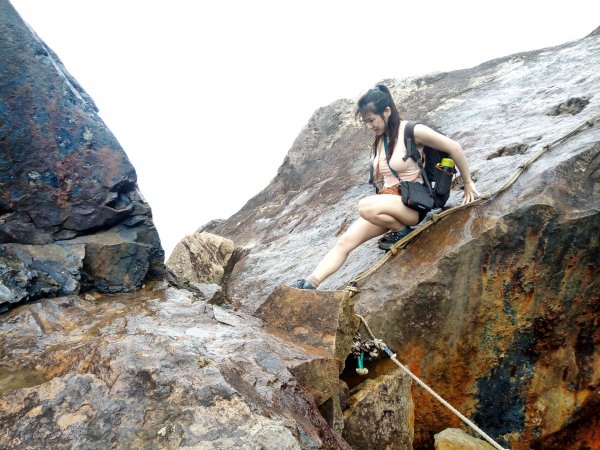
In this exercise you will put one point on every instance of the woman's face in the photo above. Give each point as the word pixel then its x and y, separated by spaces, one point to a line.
pixel 375 122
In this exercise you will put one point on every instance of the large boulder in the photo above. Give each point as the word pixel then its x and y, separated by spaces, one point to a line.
pixel 323 320
pixel 495 306
pixel 64 178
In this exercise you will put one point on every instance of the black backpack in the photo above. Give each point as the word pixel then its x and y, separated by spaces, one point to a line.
pixel 437 179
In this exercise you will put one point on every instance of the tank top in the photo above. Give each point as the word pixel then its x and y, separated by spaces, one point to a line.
pixel 407 170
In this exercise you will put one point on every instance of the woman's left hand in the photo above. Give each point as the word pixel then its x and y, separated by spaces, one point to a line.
pixel 470 193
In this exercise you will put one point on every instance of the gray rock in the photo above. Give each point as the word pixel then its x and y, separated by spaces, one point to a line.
pixel 206 290
pixel 34 271
pixel 151 369
pixel 200 258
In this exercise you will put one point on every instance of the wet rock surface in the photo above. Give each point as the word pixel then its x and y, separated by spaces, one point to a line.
pixel 63 179
pixel 495 306
pixel 151 369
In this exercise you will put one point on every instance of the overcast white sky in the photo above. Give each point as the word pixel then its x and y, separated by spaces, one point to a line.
pixel 206 97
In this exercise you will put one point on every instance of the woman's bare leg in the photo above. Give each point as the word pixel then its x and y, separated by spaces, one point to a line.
pixel 387 211
pixel 379 213
pixel 360 231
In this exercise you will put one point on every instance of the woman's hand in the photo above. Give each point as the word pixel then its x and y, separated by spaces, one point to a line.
pixel 470 192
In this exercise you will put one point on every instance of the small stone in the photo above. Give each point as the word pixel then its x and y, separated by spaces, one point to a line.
pixel 206 290
pixel 456 439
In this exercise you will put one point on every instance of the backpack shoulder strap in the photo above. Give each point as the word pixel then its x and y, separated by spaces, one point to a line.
pixel 385 149
pixel 412 151
pixel 371 171
pixel 409 142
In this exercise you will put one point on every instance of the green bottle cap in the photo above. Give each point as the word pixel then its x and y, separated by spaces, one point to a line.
pixel 447 162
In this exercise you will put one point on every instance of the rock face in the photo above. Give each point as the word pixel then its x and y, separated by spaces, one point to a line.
pixel 496 306
pixel 66 186
pixel 154 369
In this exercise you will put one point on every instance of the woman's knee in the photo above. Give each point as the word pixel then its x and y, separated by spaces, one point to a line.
pixel 366 208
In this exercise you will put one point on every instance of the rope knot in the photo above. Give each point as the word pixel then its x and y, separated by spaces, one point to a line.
pixel 352 289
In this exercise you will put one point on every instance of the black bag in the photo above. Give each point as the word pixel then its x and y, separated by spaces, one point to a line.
pixel 416 196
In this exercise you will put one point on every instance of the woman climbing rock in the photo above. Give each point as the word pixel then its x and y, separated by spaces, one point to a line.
pixel 385 213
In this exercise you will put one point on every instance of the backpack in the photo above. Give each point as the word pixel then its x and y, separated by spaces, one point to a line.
pixel 437 179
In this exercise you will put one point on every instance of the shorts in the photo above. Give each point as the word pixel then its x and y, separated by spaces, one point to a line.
pixel 395 190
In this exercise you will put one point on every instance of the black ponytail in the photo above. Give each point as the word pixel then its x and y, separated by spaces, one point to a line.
pixel 376 100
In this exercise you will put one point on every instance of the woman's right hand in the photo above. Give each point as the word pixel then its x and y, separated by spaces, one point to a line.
pixel 470 193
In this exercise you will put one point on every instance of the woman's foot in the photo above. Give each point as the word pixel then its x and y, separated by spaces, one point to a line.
pixel 391 237
pixel 303 284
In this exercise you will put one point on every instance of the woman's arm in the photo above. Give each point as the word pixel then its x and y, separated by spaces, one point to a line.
pixel 426 136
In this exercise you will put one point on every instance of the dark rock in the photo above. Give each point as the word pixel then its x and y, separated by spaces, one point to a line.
pixel 572 106
pixel 62 172
pixel 35 271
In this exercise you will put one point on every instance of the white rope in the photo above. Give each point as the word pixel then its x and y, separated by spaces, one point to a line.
pixel 431 391
pixel 447 405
